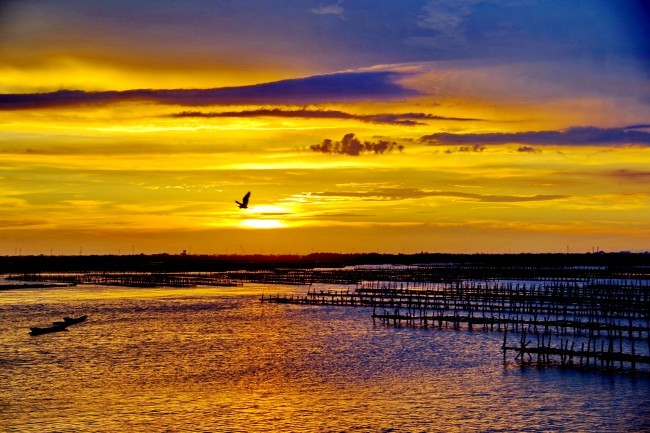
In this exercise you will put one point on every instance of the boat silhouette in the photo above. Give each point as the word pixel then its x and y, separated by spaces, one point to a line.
pixel 57 326
pixel 54 328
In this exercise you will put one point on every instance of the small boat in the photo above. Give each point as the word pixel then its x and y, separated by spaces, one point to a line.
pixel 58 326
pixel 71 321
pixel 54 328
pixel 67 321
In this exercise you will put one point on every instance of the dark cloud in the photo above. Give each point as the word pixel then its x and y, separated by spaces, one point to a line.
pixel 576 135
pixel 633 175
pixel 406 193
pixel 472 148
pixel 528 149
pixel 315 89
pixel 387 118
pixel 351 145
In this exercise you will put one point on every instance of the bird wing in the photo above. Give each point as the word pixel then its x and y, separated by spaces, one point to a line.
pixel 246 197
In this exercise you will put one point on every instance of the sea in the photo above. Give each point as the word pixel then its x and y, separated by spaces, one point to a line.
pixel 216 359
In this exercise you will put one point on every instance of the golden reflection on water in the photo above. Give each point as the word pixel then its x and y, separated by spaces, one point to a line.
pixel 216 359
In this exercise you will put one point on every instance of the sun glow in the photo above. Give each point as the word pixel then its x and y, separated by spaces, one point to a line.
pixel 262 224
pixel 268 209
pixel 265 216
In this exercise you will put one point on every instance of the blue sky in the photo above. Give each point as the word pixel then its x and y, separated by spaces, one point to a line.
pixel 333 36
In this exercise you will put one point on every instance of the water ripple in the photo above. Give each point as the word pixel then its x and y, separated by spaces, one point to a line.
pixel 199 361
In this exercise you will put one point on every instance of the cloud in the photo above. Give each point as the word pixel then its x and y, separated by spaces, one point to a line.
pixel 503 29
pixel 7 224
pixel 576 135
pixel 385 118
pixel 528 149
pixel 632 175
pixel 331 215
pixel 351 145
pixel 412 193
pixel 340 87
pixel 473 148
pixel 333 9
pixel 446 23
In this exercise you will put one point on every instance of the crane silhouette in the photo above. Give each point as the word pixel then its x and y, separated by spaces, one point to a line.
pixel 244 201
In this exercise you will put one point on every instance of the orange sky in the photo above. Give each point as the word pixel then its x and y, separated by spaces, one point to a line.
pixel 540 145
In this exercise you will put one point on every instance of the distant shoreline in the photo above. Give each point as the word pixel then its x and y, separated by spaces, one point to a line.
pixel 32 286
pixel 216 263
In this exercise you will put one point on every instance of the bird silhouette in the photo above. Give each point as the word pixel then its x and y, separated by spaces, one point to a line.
pixel 244 201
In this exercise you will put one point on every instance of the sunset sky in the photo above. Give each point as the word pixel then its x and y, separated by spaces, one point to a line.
pixel 453 126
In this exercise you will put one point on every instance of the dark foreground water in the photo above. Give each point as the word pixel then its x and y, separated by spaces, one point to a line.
pixel 218 360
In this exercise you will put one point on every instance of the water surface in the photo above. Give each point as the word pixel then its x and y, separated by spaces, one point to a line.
pixel 218 360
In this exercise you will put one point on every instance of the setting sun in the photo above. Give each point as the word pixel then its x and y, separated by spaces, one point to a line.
pixel 262 224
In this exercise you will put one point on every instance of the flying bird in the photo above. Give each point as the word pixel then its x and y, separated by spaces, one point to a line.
pixel 244 201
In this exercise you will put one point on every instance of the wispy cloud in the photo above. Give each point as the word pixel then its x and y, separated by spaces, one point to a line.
pixel 443 25
pixel 385 118
pixel 631 175
pixel 333 9
pixel 8 224
pixel 577 135
pixel 412 193
pixel 340 87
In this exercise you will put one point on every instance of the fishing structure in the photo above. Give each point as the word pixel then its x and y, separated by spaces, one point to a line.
pixel 134 279
pixel 602 324
pixel 588 317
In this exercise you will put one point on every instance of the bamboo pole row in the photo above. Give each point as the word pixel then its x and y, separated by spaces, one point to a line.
pixel 135 279
pixel 579 317
pixel 598 323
